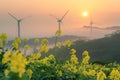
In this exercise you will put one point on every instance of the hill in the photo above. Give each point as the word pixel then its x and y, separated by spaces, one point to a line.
pixel 106 49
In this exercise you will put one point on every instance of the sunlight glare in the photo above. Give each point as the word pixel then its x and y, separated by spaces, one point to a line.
pixel 85 13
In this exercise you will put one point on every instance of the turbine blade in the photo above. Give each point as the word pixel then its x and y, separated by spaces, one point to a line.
pixel 53 16
pixel 64 15
pixel 13 16
pixel 25 17
pixel 86 26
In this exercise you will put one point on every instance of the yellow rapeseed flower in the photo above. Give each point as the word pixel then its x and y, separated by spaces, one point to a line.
pixel 26 47
pixel 59 44
pixel 101 75
pixel 74 59
pixel 6 57
pixel 89 73
pixel 1 43
pixel 4 37
pixel 58 33
pixel 17 40
pixel 25 39
pixel 44 42
pixel 15 45
pixel 68 43
pixel 86 59
pixel 73 51
pixel 29 73
pixel 85 53
pixel 59 73
pixel 34 57
pixel 85 73
pixel 114 75
pixel 44 48
pixel 37 55
pixel 16 62
pixel 6 72
pixel 36 41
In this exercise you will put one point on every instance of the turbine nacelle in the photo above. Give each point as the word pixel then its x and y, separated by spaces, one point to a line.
pixel 59 20
pixel 19 20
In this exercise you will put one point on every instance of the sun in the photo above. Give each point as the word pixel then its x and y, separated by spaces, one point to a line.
pixel 85 13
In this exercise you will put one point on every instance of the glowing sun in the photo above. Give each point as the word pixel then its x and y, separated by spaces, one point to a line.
pixel 85 13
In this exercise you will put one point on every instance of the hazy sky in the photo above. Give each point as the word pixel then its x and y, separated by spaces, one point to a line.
pixel 105 13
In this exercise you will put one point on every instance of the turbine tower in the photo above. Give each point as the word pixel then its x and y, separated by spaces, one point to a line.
pixel 59 20
pixel 91 24
pixel 18 22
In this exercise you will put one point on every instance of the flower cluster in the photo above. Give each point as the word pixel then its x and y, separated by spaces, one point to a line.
pixel 59 44
pixel 58 33
pixel 86 57
pixel 16 43
pixel 16 62
pixel 68 43
pixel 44 46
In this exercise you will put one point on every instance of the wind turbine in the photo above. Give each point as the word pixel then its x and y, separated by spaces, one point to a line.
pixel 18 22
pixel 59 20
pixel 91 26
pixel 94 27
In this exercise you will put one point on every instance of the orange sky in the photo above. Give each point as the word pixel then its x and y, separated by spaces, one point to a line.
pixel 105 13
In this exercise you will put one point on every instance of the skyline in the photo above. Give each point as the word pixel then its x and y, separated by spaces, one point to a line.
pixel 104 14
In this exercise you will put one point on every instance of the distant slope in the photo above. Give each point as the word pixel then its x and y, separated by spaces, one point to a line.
pixel 105 49
pixel 52 39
